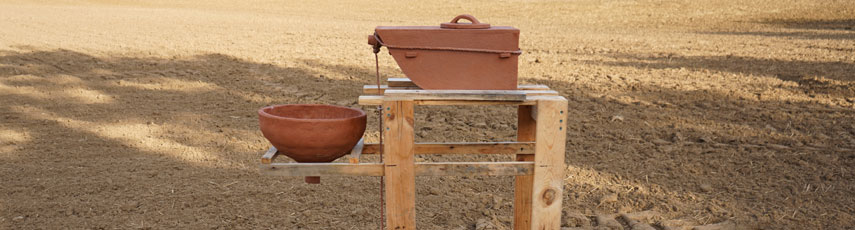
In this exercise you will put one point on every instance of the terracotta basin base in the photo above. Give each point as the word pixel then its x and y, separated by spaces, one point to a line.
pixel 312 133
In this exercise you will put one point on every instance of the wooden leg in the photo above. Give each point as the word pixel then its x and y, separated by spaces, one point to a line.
pixel 547 188
pixel 526 127
pixel 399 165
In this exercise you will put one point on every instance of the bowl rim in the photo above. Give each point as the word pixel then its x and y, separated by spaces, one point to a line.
pixel 261 112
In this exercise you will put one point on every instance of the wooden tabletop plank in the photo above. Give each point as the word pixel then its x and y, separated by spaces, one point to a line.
pixel 531 98
pixel 406 82
pixel 373 89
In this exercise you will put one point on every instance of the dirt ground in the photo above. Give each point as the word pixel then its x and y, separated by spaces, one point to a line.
pixel 142 114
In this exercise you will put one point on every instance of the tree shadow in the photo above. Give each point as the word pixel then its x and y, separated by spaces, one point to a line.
pixel 822 29
pixel 148 142
pixel 787 70
pixel 811 35
pixel 820 24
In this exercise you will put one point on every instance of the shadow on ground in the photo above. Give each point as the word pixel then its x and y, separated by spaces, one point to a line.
pixel 839 30
pixel 172 143
pixel 823 24
pixel 787 70
pixel 140 142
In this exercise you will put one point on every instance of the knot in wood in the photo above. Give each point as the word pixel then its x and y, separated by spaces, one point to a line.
pixel 549 196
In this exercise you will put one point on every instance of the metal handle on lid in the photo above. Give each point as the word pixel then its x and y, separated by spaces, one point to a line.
pixel 454 24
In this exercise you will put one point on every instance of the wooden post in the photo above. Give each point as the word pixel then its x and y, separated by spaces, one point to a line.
pixel 526 127
pixel 548 184
pixel 399 164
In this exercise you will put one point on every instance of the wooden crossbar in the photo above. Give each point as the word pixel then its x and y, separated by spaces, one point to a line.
pixel 463 148
pixel 363 148
pixel 420 169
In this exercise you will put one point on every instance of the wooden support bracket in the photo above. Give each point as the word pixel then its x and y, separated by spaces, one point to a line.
pixel 356 152
pixel 270 155
pixel 533 114
pixel 400 82
pixel 372 89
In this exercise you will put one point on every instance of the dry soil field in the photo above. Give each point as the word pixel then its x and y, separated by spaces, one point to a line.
pixel 141 114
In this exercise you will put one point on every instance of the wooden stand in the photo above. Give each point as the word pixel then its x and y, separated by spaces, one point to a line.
pixel 539 150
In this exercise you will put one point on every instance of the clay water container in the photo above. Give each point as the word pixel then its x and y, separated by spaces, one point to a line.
pixel 312 133
pixel 454 55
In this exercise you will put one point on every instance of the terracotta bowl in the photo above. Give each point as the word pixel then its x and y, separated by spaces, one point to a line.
pixel 312 133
